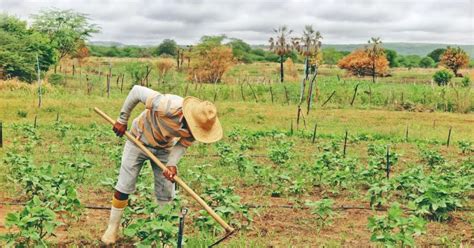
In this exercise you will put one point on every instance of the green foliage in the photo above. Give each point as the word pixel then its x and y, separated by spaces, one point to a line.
pixel 56 79
pixel 427 62
pixel 30 226
pixel 167 46
pixel 436 54
pixel 281 151
pixel 137 71
pixel 432 157
pixel 331 56
pixel 21 113
pixel 322 210
pixel 466 81
pixel 19 48
pixel 442 77
pixel 395 230
pixel 65 28
pixel 122 51
pixel 392 57
pixel 409 61
pixel 465 146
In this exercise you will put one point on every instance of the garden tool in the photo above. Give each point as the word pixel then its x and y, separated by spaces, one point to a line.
pixel 228 229
pixel 184 211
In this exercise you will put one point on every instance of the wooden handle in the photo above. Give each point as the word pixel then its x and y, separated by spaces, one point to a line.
pixel 177 179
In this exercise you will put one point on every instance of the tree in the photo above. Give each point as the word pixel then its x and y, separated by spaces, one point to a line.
pixel 455 59
pixel 409 61
pixel 427 62
pixel 436 54
pixel 331 56
pixel 19 47
pixel 281 46
pixel 374 51
pixel 442 77
pixel 360 64
pixel 391 57
pixel 210 60
pixel 167 46
pixel 240 50
pixel 65 28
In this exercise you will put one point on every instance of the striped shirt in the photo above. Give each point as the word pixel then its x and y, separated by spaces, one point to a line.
pixel 161 124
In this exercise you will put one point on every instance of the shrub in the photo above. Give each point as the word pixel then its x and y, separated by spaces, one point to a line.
pixel 281 152
pixel 454 59
pixel 322 210
pixel 359 63
pixel 56 79
pixel 466 81
pixel 164 66
pixel 427 62
pixel 210 64
pixel 442 77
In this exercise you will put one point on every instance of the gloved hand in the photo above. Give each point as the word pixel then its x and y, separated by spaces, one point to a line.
pixel 119 128
pixel 170 173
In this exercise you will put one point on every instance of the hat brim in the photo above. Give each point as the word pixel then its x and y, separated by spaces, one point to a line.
pixel 210 135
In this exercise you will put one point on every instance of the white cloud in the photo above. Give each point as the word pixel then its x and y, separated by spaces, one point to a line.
pixel 346 21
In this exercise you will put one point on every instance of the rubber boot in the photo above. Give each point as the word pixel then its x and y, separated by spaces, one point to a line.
pixel 110 235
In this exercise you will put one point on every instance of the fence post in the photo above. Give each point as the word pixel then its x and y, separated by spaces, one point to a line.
pixel 406 134
pixel 1 134
pixel 286 95
pixel 39 83
pixel 449 136
pixel 314 132
pixel 36 117
pixel 388 161
pixel 345 145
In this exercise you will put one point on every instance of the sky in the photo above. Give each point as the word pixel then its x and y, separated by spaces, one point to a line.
pixel 148 22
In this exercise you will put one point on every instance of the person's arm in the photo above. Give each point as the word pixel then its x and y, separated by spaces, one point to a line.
pixel 176 154
pixel 136 95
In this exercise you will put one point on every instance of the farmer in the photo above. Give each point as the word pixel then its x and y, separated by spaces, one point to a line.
pixel 167 127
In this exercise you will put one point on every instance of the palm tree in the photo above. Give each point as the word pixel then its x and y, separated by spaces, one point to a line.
pixel 374 49
pixel 281 45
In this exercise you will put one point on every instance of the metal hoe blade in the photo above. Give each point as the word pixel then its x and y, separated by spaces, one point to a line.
pixel 226 236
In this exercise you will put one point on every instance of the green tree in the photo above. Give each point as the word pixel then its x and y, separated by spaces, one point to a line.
pixel 436 54
pixel 427 62
pixel 240 50
pixel 409 61
pixel 331 56
pixel 65 28
pixel 281 46
pixel 168 46
pixel 392 58
pixel 375 50
pixel 19 47
pixel 442 77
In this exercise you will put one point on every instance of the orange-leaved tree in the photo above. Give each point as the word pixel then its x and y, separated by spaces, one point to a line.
pixel 359 63
pixel 454 58
pixel 210 60
pixel 375 50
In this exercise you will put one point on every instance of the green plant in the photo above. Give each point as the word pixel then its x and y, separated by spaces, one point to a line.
pixel 442 77
pixel 432 157
pixel 32 226
pixel 395 230
pixel 322 210
pixel 21 113
pixel 465 146
pixel 281 151
pixel 56 79
pixel 466 81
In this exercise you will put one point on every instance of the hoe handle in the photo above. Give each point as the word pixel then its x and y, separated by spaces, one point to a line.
pixel 177 179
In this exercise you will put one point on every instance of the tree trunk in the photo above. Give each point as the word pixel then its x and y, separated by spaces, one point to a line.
pixel 373 70
pixel 282 74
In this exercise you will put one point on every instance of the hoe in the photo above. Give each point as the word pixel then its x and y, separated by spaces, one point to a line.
pixel 228 229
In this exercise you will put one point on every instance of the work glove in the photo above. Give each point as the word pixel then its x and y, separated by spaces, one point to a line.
pixel 119 128
pixel 170 173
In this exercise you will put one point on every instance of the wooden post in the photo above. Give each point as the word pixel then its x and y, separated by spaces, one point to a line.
pixel 34 125
pixel 345 145
pixel 271 92
pixel 1 134
pixel 355 93
pixel 39 83
pixel 242 91
pixel 329 98
pixel 314 132
pixel 73 69
pixel 57 116
pixel 286 95
pixel 406 134
pixel 449 136
pixel 298 117
pixel 291 127
pixel 253 92
pixel 388 162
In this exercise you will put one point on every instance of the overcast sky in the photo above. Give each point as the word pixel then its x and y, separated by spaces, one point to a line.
pixel 150 21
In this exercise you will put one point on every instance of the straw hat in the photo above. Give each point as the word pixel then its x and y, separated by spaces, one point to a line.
pixel 202 120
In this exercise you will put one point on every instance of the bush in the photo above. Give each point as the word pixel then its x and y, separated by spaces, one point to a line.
pixel 466 81
pixel 56 79
pixel 427 62
pixel 442 77
pixel 358 63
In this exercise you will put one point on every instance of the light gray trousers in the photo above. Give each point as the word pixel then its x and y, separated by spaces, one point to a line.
pixel 133 159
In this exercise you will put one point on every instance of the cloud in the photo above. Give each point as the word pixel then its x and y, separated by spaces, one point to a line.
pixel 344 21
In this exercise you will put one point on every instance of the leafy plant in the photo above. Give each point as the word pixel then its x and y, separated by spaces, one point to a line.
pixel 281 151
pixel 432 157
pixel 395 230
pixel 442 77
pixel 322 210
pixel 32 226
pixel 465 146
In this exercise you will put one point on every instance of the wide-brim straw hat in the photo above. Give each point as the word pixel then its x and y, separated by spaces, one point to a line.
pixel 202 120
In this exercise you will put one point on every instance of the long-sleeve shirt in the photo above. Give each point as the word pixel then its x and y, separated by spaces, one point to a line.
pixel 161 124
